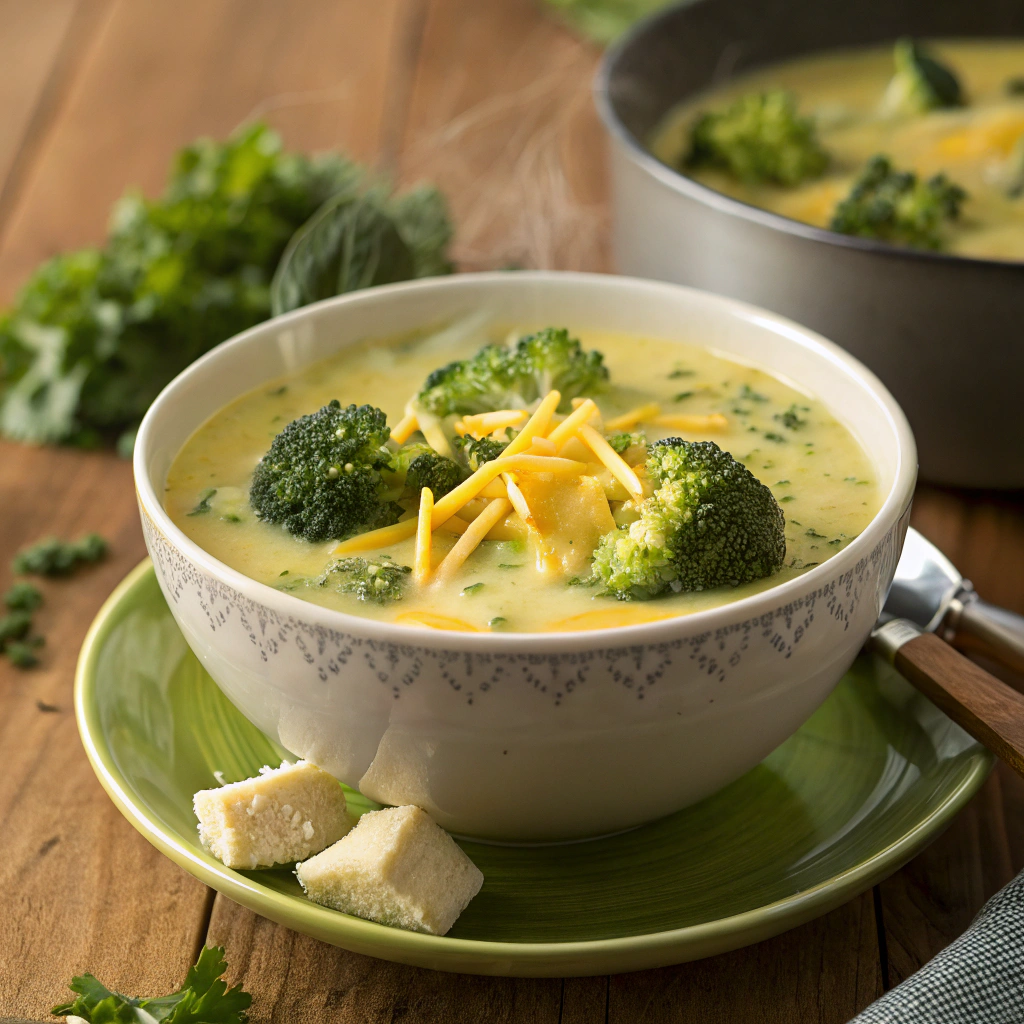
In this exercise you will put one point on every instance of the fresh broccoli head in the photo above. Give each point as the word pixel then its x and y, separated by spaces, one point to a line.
pixel 380 581
pixel 416 466
pixel 322 477
pixel 760 137
pixel 920 83
pixel 895 206
pixel 501 377
pixel 478 450
pixel 710 522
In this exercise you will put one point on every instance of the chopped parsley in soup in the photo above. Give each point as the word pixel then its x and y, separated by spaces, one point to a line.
pixel 523 481
pixel 918 144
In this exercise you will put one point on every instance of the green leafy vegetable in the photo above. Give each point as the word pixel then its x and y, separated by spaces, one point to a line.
pixel 55 557
pixel 203 999
pixel 96 334
pixel 759 137
pixel 358 240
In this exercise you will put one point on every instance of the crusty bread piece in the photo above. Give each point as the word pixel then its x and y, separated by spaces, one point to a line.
pixel 397 867
pixel 282 815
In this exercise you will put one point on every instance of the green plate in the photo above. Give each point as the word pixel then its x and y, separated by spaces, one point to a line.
pixel 873 775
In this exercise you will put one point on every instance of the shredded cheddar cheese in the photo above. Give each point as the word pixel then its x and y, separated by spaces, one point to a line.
pixel 486 423
pixel 536 425
pixel 455 499
pixel 405 428
pixel 434 620
pixel 568 427
pixel 470 540
pixel 421 565
pixel 641 414
pixel 697 424
pixel 604 451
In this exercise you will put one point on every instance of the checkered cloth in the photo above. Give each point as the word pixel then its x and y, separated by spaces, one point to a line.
pixel 979 979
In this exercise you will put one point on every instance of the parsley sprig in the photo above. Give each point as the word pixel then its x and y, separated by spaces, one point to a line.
pixel 203 999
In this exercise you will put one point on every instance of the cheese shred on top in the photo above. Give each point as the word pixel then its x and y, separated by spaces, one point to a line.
pixel 640 414
pixel 604 451
pixel 470 540
pixel 421 568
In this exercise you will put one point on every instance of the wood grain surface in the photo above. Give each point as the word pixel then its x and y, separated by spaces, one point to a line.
pixel 491 101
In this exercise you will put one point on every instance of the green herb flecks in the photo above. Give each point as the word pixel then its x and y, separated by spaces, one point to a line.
pixel 791 418
pixel 203 505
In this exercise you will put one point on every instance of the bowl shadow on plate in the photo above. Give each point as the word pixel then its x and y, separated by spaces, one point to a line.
pixel 854 778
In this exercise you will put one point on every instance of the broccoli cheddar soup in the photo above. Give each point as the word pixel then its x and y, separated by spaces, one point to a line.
pixel 523 481
pixel 913 144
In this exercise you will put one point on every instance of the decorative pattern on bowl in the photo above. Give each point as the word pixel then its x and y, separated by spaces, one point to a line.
pixel 655 705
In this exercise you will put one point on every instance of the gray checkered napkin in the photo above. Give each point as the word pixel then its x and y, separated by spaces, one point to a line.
pixel 979 979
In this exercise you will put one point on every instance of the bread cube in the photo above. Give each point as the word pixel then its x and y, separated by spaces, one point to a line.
pixel 396 867
pixel 282 815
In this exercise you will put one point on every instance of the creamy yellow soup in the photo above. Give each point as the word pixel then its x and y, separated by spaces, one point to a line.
pixel 974 145
pixel 816 469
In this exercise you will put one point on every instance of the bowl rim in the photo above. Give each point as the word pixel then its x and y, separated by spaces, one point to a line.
pixel 893 505
pixel 688 187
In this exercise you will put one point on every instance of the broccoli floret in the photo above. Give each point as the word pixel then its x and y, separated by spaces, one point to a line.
pixel 760 137
pixel 14 626
pixel 621 443
pixel 23 597
pixel 709 522
pixel 895 206
pixel 478 450
pixel 500 377
pixel 920 83
pixel 22 653
pixel 322 477
pixel 379 581
pixel 54 557
pixel 416 466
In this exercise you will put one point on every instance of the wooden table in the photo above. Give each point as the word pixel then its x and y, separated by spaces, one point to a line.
pixel 491 101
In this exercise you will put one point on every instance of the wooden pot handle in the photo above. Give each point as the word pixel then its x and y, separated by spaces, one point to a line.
pixel 991 711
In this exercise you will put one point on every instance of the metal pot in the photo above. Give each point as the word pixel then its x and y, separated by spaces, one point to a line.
pixel 943 332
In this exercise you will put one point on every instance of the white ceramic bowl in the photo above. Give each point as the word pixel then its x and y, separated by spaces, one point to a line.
pixel 531 737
